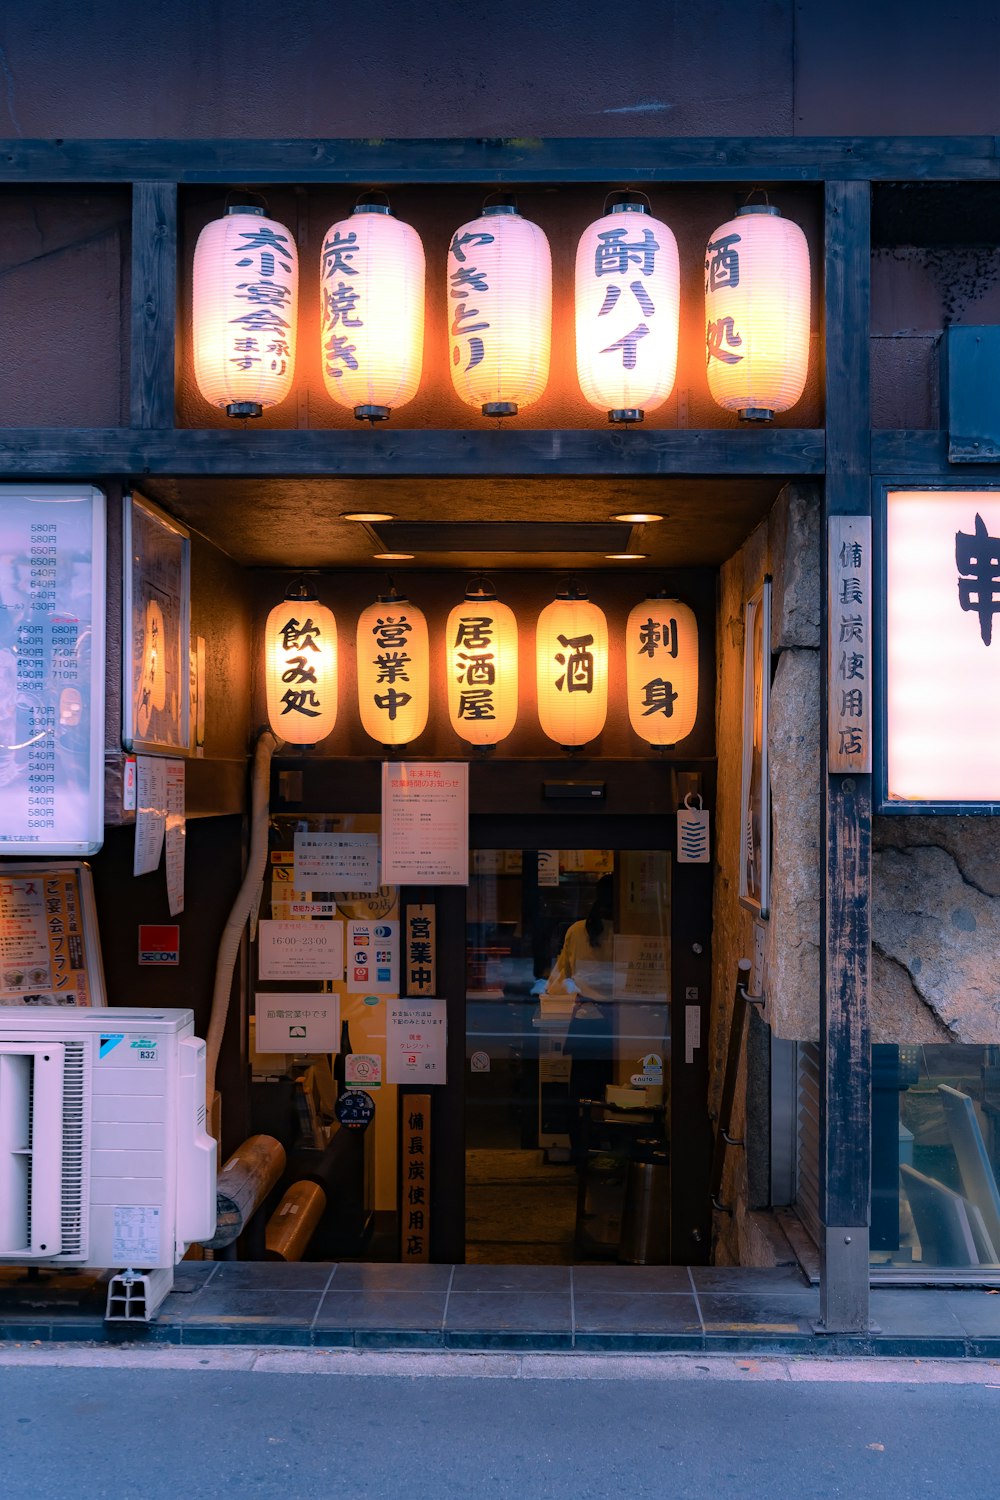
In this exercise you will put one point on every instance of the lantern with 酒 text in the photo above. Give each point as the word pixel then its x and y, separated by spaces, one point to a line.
pixel 244 306
pixel 393 670
pixel 757 313
pixel 300 664
pixel 481 666
pixel 571 657
pixel 661 670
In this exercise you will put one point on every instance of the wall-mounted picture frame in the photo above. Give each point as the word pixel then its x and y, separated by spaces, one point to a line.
pixel 156 675
pixel 755 795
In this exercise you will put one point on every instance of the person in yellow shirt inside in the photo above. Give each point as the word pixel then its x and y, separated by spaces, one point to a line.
pixel 585 969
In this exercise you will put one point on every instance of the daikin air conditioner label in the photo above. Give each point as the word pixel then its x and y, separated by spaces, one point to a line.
pixel 136 1239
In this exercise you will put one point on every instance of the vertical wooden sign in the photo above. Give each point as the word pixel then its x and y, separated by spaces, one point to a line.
pixel 420 955
pixel 415 1178
pixel 849 644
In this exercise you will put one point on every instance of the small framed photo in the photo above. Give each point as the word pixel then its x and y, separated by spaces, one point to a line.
pixel 755 797
pixel 156 675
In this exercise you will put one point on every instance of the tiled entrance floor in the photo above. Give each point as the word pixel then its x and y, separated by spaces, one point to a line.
pixel 596 1307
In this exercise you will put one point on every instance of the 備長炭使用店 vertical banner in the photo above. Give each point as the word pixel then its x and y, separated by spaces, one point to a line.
pixel 425 823
pixel 415 1177
pixel 849 644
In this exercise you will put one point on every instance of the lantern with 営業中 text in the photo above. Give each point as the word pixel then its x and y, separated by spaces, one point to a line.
pixel 571 656
pixel 627 310
pixel 244 305
pixel 757 313
pixel 393 670
pixel 300 645
pixel 661 670
pixel 499 311
pixel 481 645
pixel 372 311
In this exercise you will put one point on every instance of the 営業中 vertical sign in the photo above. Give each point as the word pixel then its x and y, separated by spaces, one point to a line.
pixel 420 956
pixel 849 643
pixel 415 1178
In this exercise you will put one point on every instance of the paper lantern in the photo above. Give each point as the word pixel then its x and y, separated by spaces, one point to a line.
pixel 300 649
pixel 499 311
pixel 393 670
pixel 627 311
pixel 481 667
pixel 244 304
pixel 372 311
pixel 757 313
pixel 571 654
pixel 661 670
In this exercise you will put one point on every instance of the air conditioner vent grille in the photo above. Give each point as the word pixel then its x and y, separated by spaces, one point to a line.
pixel 75 1147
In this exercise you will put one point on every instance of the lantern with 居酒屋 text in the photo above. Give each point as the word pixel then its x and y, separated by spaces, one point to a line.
pixel 499 311
pixel 627 310
pixel 244 305
pixel 372 311
pixel 661 670
pixel 481 666
pixel 300 647
pixel 393 670
pixel 571 655
pixel 757 313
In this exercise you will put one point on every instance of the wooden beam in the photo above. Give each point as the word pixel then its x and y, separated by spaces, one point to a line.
pixel 154 303
pixel 923 454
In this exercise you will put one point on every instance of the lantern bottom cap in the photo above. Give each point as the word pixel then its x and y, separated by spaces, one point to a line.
pixel 626 414
pixel 755 414
pixel 499 408
pixel 372 413
pixel 244 409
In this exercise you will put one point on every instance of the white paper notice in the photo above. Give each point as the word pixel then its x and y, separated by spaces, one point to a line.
pixel 416 1040
pixel 176 836
pixel 150 813
pixel 336 862
pixel 373 957
pixel 297 1023
pixel 136 1237
pixel 548 867
pixel 300 950
pixel 425 823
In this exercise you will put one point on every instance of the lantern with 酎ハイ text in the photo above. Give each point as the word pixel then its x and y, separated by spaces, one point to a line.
pixel 300 645
pixel 481 665
pixel 244 305
pixel 661 670
pixel 571 656
pixel 393 670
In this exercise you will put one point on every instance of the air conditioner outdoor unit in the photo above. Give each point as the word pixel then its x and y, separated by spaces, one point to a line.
pixel 104 1156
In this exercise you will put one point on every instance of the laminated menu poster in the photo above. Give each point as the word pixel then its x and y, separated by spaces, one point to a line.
pixel 43 958
pixel 425 823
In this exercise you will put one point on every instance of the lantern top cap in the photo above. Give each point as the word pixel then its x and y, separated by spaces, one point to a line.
pixel 572 590
pixel 371 208
pixel 661 593
pixel 482 589
pixel 506 205
pixel 246 208
pixel 627 203
pixel 301 591
pixel 758 208
pixel 393 596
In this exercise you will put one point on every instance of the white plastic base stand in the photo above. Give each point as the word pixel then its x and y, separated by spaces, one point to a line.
pixel 135 1296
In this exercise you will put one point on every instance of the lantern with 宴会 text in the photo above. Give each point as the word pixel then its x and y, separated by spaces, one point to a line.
pixel 300 647
pixel 661 670
pixel 571 668
pixel 244 306
pixel 393 670
pixel 481 666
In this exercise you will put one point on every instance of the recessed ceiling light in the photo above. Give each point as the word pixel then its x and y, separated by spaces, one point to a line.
pixel 625 556
pixel 366 515
pixel 393 556
pixel 638 516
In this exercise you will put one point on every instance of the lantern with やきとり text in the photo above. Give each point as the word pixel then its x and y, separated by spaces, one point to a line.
pixel 571 655
pixel 393 670
pixel 481 666
pixel 244 308
pixel 661 669
pixel 300 644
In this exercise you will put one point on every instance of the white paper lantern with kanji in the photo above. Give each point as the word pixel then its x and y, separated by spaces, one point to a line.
pixel 244 309
pixel 757 302
pixel 627 312
pixel 371 311
pixel 661 670
pixel 393 670
pixel 481 667
pixel 499 311
pixel 571 669
pixel 300 666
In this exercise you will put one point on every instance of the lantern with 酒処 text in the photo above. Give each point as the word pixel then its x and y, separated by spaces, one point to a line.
pixel 244 304
pixel 481 665
pixel 661 670
pixel 300 648
pixel 393 670
pixel 571 668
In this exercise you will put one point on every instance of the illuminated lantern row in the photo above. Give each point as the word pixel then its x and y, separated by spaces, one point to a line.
pixel 393 670
pixel 300 656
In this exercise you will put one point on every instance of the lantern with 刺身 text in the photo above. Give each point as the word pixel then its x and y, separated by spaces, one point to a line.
pixel 757 313
pixel 244 306
pixel 661 670
pixel 571 668
pixel 499 311
pixel 393 670
pixel 300 651
pixel 627 312
pixel 372 311
pixel 481 666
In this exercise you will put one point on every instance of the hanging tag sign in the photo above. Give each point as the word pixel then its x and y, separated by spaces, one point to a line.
pixel 692 833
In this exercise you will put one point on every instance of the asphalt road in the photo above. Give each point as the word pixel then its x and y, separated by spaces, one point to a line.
pixel 750 1430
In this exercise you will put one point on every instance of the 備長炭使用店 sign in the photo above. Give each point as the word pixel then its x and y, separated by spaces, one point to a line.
pixel 425 823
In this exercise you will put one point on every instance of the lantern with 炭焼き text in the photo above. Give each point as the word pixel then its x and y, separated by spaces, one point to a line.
pixel 481 666
pixel 661 670
pixel 300 646
pixel 757 313
pixel 571 668
pixel 627 309
pixel 371 311
pixel 499 311
pixel 393 670
pixel 244 304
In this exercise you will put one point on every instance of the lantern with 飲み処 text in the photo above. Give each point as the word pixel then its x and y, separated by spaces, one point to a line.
pixel 481 666
pixel 661 670
pixel 393 670
pixel 300 646
pixel 571 668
